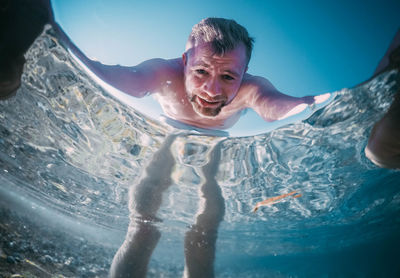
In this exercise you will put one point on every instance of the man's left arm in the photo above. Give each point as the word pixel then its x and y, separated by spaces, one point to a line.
pixel 273 105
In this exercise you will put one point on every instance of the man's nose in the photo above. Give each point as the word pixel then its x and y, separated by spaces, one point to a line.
pixel 212 87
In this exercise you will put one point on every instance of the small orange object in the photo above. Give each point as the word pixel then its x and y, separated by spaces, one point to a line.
pixel 274 200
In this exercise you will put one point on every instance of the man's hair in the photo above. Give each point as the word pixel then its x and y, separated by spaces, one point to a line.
pixel 223 34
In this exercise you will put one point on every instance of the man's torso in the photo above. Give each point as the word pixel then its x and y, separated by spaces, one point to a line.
pixel 175 103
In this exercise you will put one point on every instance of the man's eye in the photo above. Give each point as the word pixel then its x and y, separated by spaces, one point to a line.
pixel 227 77
pixel 201 71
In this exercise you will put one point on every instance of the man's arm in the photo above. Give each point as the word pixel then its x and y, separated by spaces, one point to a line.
pixel 273 105
pixel 137 81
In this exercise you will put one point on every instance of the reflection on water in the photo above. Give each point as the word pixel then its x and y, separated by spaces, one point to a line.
pixel 73 151
pixel 133 256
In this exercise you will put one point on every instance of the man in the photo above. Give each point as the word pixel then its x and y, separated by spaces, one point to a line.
pixel 209 86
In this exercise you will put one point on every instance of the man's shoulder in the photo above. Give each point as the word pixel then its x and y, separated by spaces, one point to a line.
pixel 257 91
pixel 251 86
pixel 162 70
pixel 166 65
pixel 257 85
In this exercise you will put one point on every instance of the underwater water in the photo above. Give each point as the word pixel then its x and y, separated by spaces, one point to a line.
pixel 71 155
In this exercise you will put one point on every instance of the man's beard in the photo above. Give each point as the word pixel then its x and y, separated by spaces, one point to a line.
pixel 206 111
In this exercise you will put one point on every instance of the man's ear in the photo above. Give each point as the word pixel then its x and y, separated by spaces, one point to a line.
pixel 184 58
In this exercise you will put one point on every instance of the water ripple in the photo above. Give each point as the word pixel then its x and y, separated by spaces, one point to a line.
pixel 66 142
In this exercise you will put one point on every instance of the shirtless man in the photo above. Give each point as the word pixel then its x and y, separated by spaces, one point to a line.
pixel 208 86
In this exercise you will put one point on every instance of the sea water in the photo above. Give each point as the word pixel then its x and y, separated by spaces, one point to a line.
pixel 70 154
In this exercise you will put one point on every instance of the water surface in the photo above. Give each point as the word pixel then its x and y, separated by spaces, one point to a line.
pixel 69 154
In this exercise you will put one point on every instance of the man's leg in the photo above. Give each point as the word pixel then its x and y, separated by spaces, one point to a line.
pixel 200 240
pixel 133 257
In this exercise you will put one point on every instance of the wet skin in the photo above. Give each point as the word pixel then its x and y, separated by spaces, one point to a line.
pixel 210 91
pixel 201 88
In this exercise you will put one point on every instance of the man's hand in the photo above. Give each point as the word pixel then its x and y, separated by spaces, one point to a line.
pixel 321 98
pixel 301 107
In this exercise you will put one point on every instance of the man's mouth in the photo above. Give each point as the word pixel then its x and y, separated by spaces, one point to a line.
pixel 206 106
pixel 207 103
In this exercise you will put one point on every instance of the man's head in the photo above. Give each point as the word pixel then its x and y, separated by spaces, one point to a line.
pixel 223 35
pixel 217 54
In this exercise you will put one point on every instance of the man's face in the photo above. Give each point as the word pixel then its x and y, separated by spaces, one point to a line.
pixel 212 81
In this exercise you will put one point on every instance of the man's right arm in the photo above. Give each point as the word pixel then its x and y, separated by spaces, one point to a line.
pixel 137 81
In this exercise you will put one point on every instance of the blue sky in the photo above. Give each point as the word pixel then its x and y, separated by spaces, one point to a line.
pixel 302 47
